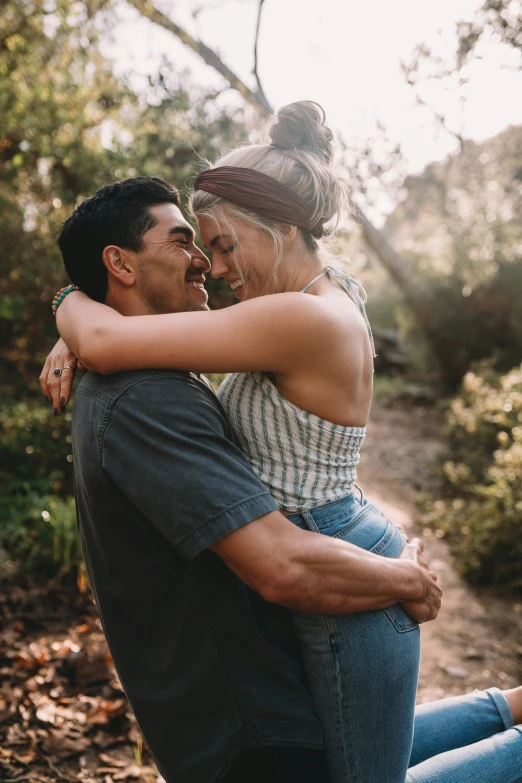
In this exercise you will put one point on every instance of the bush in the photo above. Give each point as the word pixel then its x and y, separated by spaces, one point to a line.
pixel 37 520
pixel 481 512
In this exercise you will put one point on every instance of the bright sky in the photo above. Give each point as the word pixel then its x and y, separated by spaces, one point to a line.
pixel 344 54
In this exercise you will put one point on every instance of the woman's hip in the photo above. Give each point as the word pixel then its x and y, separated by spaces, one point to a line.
pixel 359 522
pixel 356 520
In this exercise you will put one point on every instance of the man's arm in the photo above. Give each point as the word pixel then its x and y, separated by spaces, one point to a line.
pixel 168 448
pixel 314 573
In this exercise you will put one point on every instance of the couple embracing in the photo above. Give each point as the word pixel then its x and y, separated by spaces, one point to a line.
pixel 261 613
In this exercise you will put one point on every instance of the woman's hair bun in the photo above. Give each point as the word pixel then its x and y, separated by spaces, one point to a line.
pixel 301 126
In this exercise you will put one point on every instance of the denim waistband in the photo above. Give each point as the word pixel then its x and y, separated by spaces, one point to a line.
pixel 337 510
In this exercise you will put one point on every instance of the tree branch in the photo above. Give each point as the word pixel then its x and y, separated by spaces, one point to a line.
pixel 256 44
pixel 256 98
pixel 440 118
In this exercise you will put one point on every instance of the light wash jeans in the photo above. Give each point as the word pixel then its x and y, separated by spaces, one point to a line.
pixel 362 668
pixel 466 739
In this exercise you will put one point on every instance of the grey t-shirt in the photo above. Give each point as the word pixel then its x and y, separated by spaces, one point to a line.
pixel 209 667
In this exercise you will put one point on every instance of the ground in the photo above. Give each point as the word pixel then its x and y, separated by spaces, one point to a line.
pixel 476 640
pixel 63 716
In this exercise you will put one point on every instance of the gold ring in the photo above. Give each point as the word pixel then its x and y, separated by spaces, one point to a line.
pixel 67 367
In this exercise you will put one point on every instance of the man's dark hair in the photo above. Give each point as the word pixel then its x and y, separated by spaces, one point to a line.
pixel 118 214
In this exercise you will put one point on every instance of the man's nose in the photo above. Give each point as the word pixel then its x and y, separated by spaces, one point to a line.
pixel 200 260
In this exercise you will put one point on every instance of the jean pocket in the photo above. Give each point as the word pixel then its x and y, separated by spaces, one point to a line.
pixel 368 529
pixel 402 621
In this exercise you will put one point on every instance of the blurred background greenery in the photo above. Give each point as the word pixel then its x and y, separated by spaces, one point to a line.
pixel 442 263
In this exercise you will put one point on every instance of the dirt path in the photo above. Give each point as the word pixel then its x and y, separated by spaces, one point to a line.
pixel 477 639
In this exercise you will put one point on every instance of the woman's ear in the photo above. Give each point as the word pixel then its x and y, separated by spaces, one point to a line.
pixel 119 264
pixel 290 234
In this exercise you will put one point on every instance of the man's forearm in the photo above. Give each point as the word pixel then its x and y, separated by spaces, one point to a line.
pixel 313 572
pixel 329 576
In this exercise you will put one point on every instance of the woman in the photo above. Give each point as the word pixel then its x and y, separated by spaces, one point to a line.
pixel 299 400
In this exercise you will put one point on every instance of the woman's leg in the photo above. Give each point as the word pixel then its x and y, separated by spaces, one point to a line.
pixel 497 759
pixel 363 668
pixel 458 721
pixel 363 676
pixel 469 739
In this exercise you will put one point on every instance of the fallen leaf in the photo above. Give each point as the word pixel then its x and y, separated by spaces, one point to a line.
pixel 27 660
pixel 106 710
pixel 132 771
pixel 6 714
pixel 85 669
pixel 56 714
pixel 110 761
pixel 105 740
pixel 26 758
pixel 60 745
pixel 134 734
pixel 15 735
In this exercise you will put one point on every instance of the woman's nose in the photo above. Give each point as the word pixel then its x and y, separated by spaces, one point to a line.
pixel 219 268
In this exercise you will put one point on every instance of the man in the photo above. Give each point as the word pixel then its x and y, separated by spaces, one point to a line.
pixel 190 562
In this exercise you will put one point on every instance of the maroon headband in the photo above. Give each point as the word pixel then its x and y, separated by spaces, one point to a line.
pixel 260 193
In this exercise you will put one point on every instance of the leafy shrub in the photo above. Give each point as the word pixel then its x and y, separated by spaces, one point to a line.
pixel 37 520
pixel 481 512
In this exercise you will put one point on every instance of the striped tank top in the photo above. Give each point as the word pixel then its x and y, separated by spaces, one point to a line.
pixel 304 461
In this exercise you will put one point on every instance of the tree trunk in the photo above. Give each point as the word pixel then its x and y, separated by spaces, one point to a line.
pixel 403 274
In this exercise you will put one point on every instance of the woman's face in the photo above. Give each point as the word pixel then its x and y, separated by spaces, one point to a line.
pixel 251 251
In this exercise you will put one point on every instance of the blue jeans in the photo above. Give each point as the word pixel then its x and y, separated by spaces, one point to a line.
pixel 466 739
pixel 362 668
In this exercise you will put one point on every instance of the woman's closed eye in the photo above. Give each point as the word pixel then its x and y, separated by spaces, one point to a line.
pixel 227 251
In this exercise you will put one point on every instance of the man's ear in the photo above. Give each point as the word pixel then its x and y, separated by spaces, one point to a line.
pixel 120 265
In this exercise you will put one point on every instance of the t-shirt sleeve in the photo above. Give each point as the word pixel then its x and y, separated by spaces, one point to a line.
pixel 168 448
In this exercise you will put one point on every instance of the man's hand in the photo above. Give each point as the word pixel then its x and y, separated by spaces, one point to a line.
pixel 57 388
pixel 427 607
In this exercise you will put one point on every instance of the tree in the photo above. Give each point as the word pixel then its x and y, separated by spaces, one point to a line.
pixel 496 21
pixel 460 225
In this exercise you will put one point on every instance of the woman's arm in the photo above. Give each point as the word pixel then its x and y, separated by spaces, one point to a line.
pixel 272 333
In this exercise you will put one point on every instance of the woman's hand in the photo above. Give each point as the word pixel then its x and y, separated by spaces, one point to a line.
pixel 57 388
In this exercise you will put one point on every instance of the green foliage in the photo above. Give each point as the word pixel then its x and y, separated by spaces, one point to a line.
pixel 481 511
pixel 37 523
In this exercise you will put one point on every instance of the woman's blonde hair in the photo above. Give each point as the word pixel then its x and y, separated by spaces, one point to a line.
pixel 300 156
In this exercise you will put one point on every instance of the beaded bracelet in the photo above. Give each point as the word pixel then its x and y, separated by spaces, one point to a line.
pixel 60 296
